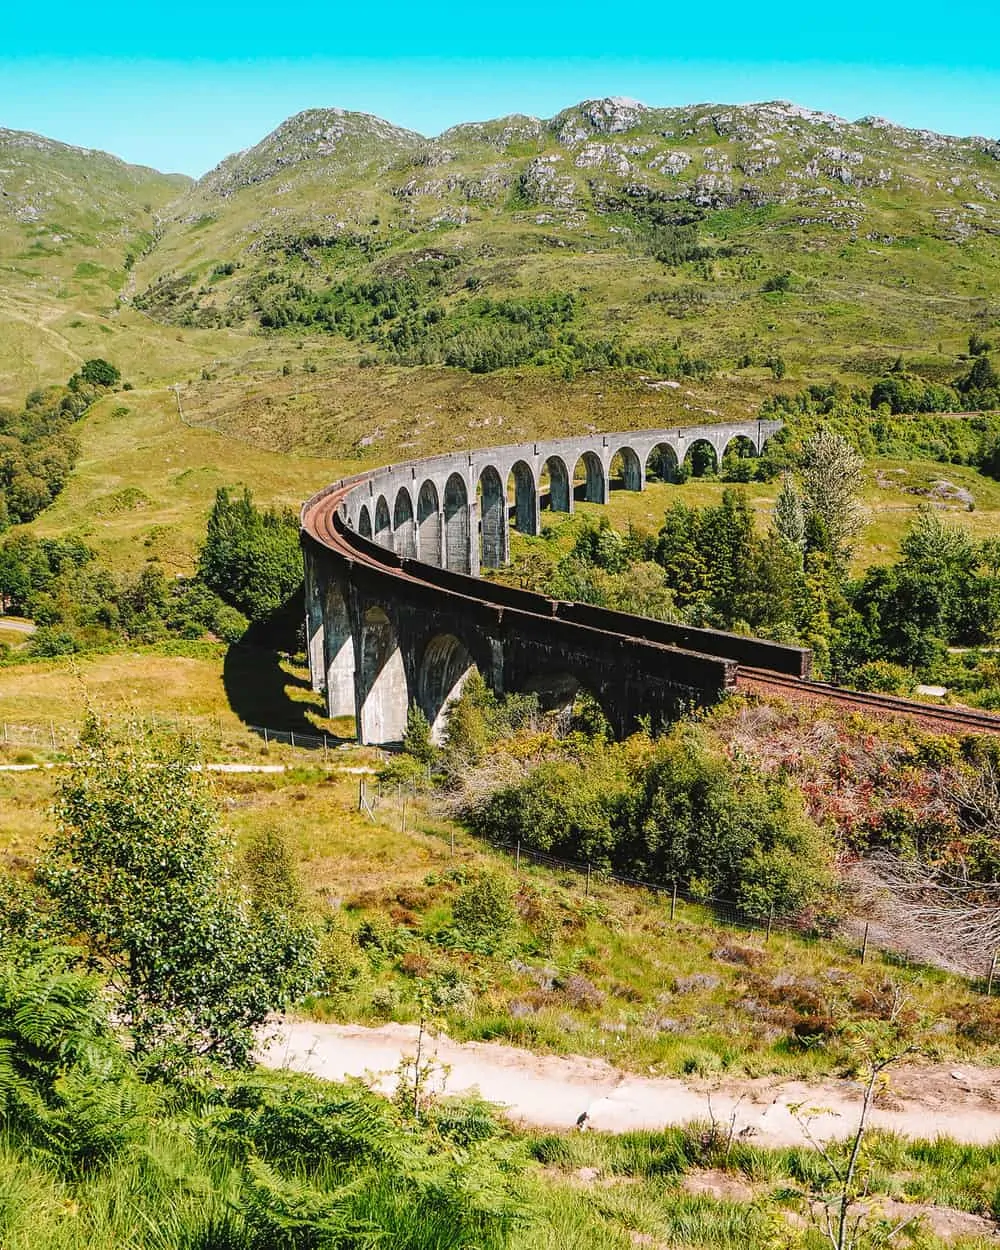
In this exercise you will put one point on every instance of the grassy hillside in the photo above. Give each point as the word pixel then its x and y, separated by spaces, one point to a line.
pixel 712 239
pixel 72 223
pixel 706 237
pixel 144 482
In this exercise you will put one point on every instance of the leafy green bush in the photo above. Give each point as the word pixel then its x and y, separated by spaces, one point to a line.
pixel 484 914
pixel 100 372
pixel 674 811
pixel 141 870
pixel 884 677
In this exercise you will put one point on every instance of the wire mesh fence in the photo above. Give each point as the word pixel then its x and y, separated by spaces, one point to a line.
pixel 395 804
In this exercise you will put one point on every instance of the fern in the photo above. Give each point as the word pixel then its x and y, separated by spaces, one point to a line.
pixel 65 1085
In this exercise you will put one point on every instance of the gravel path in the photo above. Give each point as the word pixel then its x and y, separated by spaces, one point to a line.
pixel 548 1091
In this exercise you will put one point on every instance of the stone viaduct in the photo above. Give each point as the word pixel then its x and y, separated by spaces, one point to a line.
pixel 397 614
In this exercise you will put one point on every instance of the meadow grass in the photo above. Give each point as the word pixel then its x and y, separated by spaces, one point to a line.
pixel 607 973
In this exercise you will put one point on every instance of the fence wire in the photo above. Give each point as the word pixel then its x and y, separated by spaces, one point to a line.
pixel 374 802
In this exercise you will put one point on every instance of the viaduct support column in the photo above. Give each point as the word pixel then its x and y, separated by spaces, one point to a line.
pixel 339 652
pixel 314 622
pixel 474 560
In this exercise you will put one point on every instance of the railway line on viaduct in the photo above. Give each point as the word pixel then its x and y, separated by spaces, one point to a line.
pixel 397 612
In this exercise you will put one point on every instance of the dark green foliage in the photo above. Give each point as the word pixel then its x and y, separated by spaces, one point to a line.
pixel 417 739
pixel 779 282
pixel 405 320
pixel 905 393
pixel 484 914
pixel 251 558
pixel 64 1082
pixel 724 574
pixel 37 448
pixel 567 806
pixel 99 372
pixel 80 605
pixel 944 591
pixel 980 387
pixel 976 390
pixel 141 869
pixel 97 1151
pixel 685 814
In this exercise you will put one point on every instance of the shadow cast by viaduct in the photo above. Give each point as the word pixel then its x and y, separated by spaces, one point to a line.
pixel 396 613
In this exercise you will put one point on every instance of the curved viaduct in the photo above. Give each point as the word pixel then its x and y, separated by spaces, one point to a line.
pixel 396 614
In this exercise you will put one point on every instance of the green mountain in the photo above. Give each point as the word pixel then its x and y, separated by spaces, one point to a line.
pixel 695 239
pixel 69 219
pixel 746 243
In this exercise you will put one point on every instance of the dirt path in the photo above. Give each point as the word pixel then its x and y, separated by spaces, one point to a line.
pixel 548 1091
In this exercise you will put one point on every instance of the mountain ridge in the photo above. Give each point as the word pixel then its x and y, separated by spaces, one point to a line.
pixel 706 237
pixel 790 108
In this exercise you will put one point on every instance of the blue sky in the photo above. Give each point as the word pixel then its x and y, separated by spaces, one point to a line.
pixel 180 85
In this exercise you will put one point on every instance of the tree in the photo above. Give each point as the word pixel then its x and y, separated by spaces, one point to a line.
pixel 141 869
pixel 100 372
pixel 832 474
pixel 250 558
pixel 417 739
pixel 789 516
pixel 875 1047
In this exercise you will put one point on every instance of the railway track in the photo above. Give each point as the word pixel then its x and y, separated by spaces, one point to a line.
pixel 932 716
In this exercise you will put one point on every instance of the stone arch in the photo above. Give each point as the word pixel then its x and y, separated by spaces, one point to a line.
pixel 383 697
pixel 559 691
pixel 444 668
pixel 701 459
pixel 339 659
pixel 661 464
pixel 738 460
pixel 525 497
pixel 383 523
pixel 429 531
pixel 456 525
pixel 625 470
pixel 403 531
pixel 364 522
pixel 741 445
pixel 590 482
pixel 555 476
pixel 492 519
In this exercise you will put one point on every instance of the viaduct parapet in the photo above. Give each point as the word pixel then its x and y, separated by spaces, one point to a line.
pixel 396 613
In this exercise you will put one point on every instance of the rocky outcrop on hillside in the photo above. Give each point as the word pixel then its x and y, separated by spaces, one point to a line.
pixel 336 135
pixel 40 178
pixel 710 156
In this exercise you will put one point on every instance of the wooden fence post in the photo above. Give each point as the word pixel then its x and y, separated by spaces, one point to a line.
pixel 673 902
pixel 993 968
pixel 864 944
